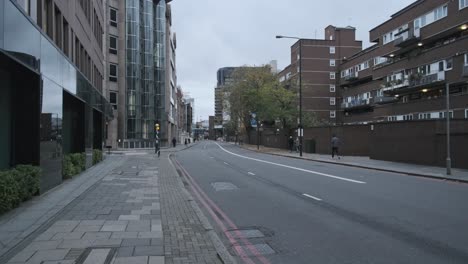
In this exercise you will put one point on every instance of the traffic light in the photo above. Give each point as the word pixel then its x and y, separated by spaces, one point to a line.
pixel 156 126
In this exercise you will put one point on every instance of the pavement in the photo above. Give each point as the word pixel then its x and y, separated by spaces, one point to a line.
pixel 275 209
pixel 367 163
pixel 130 208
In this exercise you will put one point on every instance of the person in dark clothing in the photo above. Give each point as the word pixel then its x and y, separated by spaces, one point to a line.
pixel 174 142
pixel 185 142
pixel 335 143
pixel 157 149
pixel 291 144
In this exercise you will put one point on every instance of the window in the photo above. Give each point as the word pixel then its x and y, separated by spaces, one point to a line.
pixel 444 114
pixel 463 4
pixel 449 64
pixel 332 114
pixel 332 50
pixel 112 44
pixel 332 100
pixel 113 17
pixel 466 58
pixel 466 113
pixel 332 75
pixel 332 88
pixel 332 63
pixel 113 99
pixel 113 72
pixel 431 17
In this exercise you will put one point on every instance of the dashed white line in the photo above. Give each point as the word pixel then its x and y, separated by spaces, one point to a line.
pixel 251 173
pixel 294 168
pixel 226 163
pixel 312 197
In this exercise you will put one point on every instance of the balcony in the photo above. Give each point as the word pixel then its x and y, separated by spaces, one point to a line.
pixel 351 77
pixel 417 82
pixel 465 71
pixel 407 38
pixel 380 100
pixel 397 84
pixel 427 80
pixel 356 104
pixel 354 79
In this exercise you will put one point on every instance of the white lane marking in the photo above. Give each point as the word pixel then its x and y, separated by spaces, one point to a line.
pixel 294 168
pixel 250 173
pixel 211 157
pixel 313 197
pixel 226 163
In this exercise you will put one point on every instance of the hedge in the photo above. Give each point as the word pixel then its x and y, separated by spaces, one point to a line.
pixel 97 156
pixel 73 164
pixel 18 185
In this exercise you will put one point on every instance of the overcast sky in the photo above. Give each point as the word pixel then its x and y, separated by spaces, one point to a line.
pixel 212 34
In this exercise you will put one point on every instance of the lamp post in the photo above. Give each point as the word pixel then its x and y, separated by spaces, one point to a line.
pixel 448 161
pixel 300 128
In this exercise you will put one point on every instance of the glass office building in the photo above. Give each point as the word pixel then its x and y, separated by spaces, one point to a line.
pixel 145 70
pixel 48 108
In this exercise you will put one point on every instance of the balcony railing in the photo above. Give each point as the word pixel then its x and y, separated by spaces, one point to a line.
pixel 356 103
pixel 465 71
pixel 395 84
pixel 351 77
pixel 407 38
pixel 427 79
pixel 384 99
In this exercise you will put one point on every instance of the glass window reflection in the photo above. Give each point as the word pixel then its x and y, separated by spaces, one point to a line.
pixel 21 38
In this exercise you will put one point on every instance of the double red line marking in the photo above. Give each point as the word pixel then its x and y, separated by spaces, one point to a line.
pixel 211 207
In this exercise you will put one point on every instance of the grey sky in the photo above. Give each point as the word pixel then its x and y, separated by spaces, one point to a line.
pixel 212 34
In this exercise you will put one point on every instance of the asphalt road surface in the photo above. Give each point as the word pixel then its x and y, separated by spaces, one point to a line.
pixel 271 209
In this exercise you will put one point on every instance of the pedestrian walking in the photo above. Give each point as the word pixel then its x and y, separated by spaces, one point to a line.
pixel 156 148
pixel 185 142
pixel 291 144
pixel 174 142
pixel 298 144
pixel 335 143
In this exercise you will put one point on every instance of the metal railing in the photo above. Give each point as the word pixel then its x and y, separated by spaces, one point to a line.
pixel 395 84
pixel 427 79
pixel 384 99
pixel 406 37
pixel 355 103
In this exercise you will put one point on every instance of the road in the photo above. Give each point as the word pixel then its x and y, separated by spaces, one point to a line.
pixel 271 209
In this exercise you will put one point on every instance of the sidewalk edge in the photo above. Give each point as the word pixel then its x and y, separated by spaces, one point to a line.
pixel 221 249
pixel 367 167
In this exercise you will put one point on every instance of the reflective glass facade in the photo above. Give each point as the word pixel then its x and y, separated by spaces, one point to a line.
pixel 145 51
pixel 63 113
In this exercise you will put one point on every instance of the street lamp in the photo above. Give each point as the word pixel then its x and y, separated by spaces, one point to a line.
pixel 300 129
pixel 449 160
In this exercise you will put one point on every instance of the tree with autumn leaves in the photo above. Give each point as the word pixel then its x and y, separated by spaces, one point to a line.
pixel 257 90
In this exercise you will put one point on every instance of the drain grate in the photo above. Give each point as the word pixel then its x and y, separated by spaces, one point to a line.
pixel 103 255
pixel 262 249
pixel 248 233
pixel 74 253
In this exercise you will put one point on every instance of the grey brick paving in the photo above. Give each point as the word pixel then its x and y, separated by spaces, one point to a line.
pixel 180 223
pixel 137 207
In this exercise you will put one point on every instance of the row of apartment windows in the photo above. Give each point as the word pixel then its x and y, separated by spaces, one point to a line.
pixel 424 116
pixel 422 21
pixel 52 22
pixel 88 10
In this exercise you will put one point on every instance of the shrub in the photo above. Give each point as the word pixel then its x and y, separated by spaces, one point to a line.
pixel 73 164
pixel 27 177
pixel 97 156
pixel 17 185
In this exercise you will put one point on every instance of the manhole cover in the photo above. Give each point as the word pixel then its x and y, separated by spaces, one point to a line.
pixel 251 233
pixel 247 251
pixel 223 186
